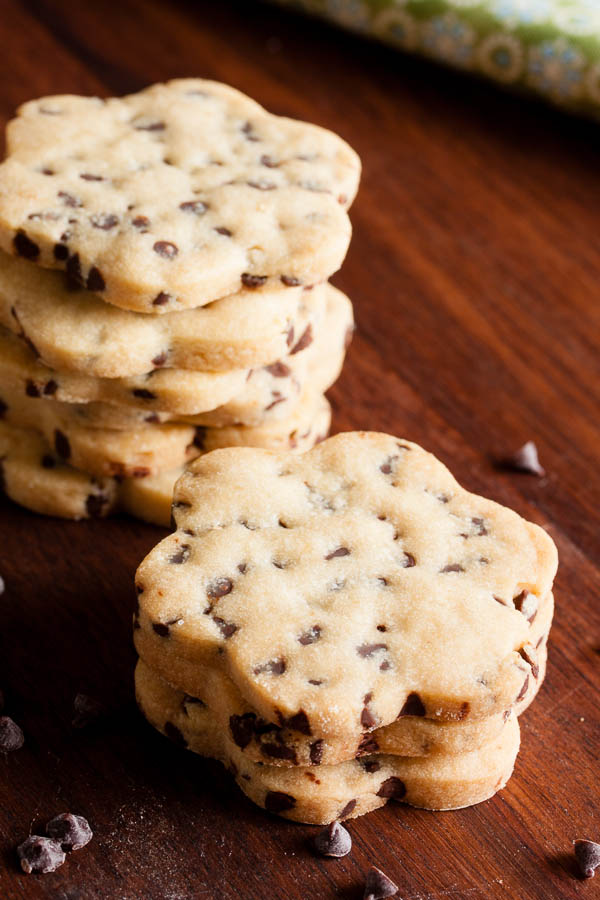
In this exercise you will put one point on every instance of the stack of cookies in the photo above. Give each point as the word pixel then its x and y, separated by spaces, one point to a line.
pixel 344 627
pixel 195 233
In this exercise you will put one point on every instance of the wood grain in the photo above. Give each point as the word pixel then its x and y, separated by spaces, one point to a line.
pixel 474 270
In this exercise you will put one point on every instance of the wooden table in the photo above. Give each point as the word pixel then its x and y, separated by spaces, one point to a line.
pixel 474 270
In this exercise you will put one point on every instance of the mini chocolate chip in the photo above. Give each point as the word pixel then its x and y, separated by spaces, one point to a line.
pixel 527 604
pixel 61 252
pixel 316 752
pixel 333 840
pixel 242 567
pixel 227 629
pixel 95 505
pixel 31 389
pixel 392 788
pixel 219 588
pixel 253 281
pixel 61 444
pixel 159 360
pixel 315 681
pixel 341 551
pixel 290 281
pixel 310 636
pixel 224 231
pixel 525 459
pixel 104 221
pixel 151 126
pixel 367 719
pixel 370 765
pixel 86 710
pixel 278 370
pixel 181 555
pixel 413 706
pixel 381 628
pixel 268 162
pixel 290 336
pixel 280 751
pixel 11 736
pixel 166 249
pixel 143 394
pixel 272 667
pixel 73 269
pixel 305 341
pixel 72 832
pixel 387 467
pixel 278 802
pixel 40 855
pixel 175 735
pixel 194 206
pixel 161 629
pixel 242 728
pixel 479 525
pixel 367 744
pixel 161 299
pixel 95 280
pixel 587 854
pixel 385 665
pixel 463 711
pixel 87 176
pixel 50 388
pixel 530 656
pixel 366 650
pixel 348 808
pixel 24 246
pixel 523 690
pixel 141 222
pixel 299 722
pixel 452 567
pixel 69 199
pixel 378 886
pixel 48 462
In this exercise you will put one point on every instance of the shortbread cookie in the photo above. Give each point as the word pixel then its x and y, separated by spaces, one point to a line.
pixel 203 398
pixel 412 734
pixel 364 548
pixel 76 331
pixel 350 789
pixel 176 196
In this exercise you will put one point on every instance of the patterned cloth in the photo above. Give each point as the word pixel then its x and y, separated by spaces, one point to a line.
pixel 549 46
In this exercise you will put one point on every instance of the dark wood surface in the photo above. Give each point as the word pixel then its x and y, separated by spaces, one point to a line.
pixel 475 273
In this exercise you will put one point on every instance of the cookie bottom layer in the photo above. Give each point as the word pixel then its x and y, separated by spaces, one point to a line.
pixel 322 794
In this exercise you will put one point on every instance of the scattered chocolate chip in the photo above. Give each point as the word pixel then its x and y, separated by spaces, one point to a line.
pixel 530 656
pixel 61 252
pixel 305 341
pixel 175 735
pixel 290 281
pixel 278 802
pixel 86 710
pixel 525 459
pixel 370 765
pixel 299 722
pixel 310 636
pixel 341 551
pixel 378 886
pixel 194 206
pixel 161 629
pixel 69 199
pixel 141 222
pixel 31 389
pixel 48 462
pixel 61 444
pixel 527 604
pixel 366 650
pixel 167 250
pixel 463 711
pixel 278 370
pixel 104 221
pixel 143 394
pixel 347 809
pixel 242 728
pixel 280 751
pixel 181 555
pixel 413 706
pixel 316 752
pixel 24 246
pixel 333 840
pixel 150 126
pixel 272 667
pixel 95 505
pixel 227 629
pixel 392 788
pixel 224 231
pixel 40 855
pixel 452 567
pixel 587 854
pixel 253 281
pixel 11 736
pixel 367 719
pixel 95 280
pixel 159 360
pixel 161 299
pixel 70 831
pixel 73 269
pixel 219 588
pixel 523 690
pixel 87 176
pixel 315 681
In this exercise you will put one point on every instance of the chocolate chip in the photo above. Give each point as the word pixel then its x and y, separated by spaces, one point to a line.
pixel 141 222
pixel 31 389
pixel 95 280
pixel 370 765
pixel 278 370
pixel 70 831
pixel 159 360
pixel 280 751
pixel 341 551
pixel 347 809
pixel 310 636
pixel 227 629
pixel 61 444
pixel 523 690
pixel 104 221
pixel 315 681
pixel 242 728
pixel 387 467
pixel 316 752
pixel 47 461
pixel 333 840
pixel 143 394
pixel 73 269
pixel 69 199
pixel 87 176
pixel 525 459
pixel 161 299
pixel 272 667
pixel 40 855
pixel 175 735
pixel 166 249
pixel 290 281
pixel 463 711
pixel 253 281
pixel 587 854
pixel 452 567
pixel 194 206
pixel 224 231
pixel 150 126
pixel 381 628
pixel 278 802
pixel 527 604
pixel 50 388
pixel 367 744
pixel 11 736
pixel 86 710
pixel 219 588
pixel 413 706
pixel 378 886
pixel 61 252
pixel 366 650
pixel 392 788
pixel 24 246
pixel 161 629
pixel 479 524
pixel 367 719
pixel 305 341
pixel 530 656
pixel 299 722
